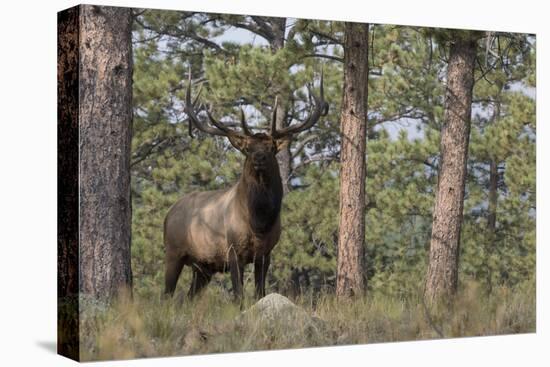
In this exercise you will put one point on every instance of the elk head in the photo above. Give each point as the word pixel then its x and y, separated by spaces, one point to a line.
pixel 260 149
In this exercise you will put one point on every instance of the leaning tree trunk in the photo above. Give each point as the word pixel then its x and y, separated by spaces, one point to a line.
pixel 105 98
pixel 442 276
pixel 351 273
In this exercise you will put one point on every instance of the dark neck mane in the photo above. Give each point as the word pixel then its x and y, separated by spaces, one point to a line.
pixel 260 195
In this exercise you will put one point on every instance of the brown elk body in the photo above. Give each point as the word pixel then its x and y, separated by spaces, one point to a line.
pixel 224 230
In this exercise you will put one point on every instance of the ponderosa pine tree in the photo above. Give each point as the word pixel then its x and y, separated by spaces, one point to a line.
pixel 350 278
pixel 442 275
pixel 105 69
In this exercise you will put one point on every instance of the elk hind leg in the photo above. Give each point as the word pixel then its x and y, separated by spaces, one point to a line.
pixel 201 278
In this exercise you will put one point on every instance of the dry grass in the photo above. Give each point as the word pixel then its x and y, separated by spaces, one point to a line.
pixel 152 327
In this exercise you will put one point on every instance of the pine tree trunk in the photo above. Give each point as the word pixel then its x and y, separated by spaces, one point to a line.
pixel 493 182
pixel 350 279
pixel 493 196
pixel 104 146
pixel 491 220
pixel 283 157
pixel 68 342
pixel 442 276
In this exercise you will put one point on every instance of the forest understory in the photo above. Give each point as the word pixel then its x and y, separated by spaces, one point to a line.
pixel 152 327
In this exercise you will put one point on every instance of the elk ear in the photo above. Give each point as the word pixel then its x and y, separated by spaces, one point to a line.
pixel 239 142
pixel 281 144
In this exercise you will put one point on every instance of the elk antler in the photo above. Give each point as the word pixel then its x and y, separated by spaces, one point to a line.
pixel 219 128
pixel 320 109
pixel 244 126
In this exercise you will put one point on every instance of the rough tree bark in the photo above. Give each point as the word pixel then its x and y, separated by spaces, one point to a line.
pixel 67 183
pixel 350 278
pixel 104 147
pixel 442 275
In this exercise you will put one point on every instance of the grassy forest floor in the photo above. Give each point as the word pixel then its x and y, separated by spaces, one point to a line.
pixel 148 327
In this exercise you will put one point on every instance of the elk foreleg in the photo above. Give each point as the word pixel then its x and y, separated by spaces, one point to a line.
pixel 174 266
pixel 261 265
pixel 236 271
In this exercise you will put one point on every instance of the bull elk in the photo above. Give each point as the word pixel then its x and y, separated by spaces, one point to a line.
pixel 216 231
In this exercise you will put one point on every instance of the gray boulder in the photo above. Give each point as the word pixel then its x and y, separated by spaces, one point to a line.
pixel 274 322
pixel 275 307
pixel 278 315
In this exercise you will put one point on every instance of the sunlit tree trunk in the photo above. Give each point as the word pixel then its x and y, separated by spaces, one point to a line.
pixel 442 276
pixel 350 279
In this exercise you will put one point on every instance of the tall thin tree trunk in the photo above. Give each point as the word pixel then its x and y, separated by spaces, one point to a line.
pixel 442 275
pixel 491 220
pixel 351 276
pixel 68 342
pixel 493 182
pixel 492 207
pixel 105 140
pixel 283 157
pixel 493 196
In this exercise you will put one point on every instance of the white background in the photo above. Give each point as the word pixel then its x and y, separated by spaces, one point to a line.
pixel 28 182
